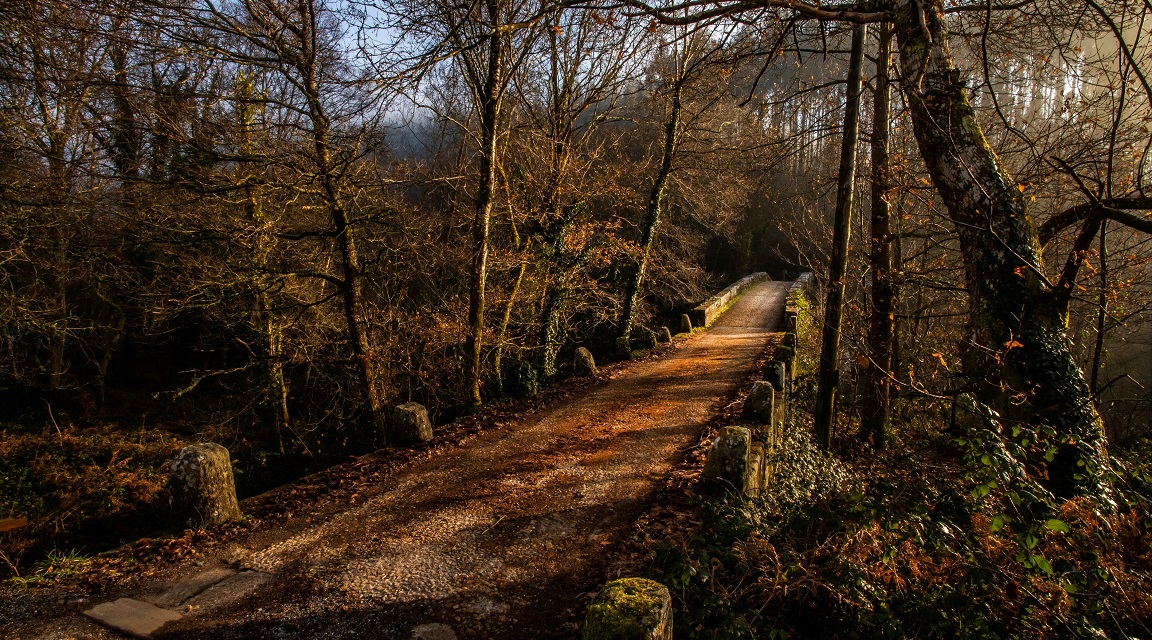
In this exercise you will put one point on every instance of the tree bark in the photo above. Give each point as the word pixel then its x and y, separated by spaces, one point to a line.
pixel 1018 354
pixel 834 302
pixel 874 415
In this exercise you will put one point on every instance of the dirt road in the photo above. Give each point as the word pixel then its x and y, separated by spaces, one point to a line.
pixel 501 538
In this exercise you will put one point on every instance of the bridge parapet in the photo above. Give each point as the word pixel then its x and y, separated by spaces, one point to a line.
pixel 766 407
pixel 739 460
pixel 707 312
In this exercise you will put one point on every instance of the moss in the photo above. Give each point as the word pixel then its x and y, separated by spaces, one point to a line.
pixel 972 127
pixel 626 608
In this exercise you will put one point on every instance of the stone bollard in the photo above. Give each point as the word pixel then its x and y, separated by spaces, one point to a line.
pixel 755 476
pixel 685 324
pixel 410 425
pixel 791 319
pixel 623 348
pixel 584 363
pixel 727 461
pixel 646 338
pixel 201 489
pixel 787 355
pixel 630 609
pixel 777 375
pixel 758 406
pixel 664 335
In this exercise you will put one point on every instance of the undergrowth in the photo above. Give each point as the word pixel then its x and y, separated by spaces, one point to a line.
pixel 80 489
pixel 939 540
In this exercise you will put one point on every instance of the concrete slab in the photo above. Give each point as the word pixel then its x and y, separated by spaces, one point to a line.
pixel 132 617
pixel 229 591
pixel 434 631
pixel 178 593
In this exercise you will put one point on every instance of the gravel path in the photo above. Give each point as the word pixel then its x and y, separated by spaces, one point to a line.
pixel 500 538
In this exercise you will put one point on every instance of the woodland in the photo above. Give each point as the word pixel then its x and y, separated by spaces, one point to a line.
pixel 262 223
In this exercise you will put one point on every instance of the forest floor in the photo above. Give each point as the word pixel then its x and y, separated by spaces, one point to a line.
pixel 507 534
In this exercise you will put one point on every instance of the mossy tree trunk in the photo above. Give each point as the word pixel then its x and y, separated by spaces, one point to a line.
pixel 1018 355
pixel 834 303
pixel 488 106
pixel 882 317
pixel 655 202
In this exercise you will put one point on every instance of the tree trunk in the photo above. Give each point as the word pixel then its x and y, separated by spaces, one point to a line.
pixel 276 389
pixel 489 112
pixel 834 302
pixel 1018 354
pixel 350 285
pixel 874 416
pixel 1101 312
pixel 554 301
pixel 652 213
pixel 507 317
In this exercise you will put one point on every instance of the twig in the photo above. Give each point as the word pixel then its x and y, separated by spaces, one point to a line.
pixel 58 433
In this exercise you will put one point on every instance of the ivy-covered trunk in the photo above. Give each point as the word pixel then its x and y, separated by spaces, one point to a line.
pixel 1017 357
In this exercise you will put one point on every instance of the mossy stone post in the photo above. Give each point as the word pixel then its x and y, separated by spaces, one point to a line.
pixel 201 489
pixel 777 375
pixel 758 406
pixel 664 335
pixel 410 425
pixel 685 324
pixel 754 475
pixel 791 319
pixel 646 338
pixel 623 348
pixel 584 363
pixel 727 461
pixel 630 609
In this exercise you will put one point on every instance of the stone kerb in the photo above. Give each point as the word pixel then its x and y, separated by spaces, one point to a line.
pixel 704 314
pixel 630 609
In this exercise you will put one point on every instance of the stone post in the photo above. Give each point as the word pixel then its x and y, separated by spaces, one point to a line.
pixel 664 335
pixel 758 406
pixel 754 477
pixel 201 489
pixel 630 609
pixel 646 338
pixel 727 461
pixel 410 425
pixel 685 324
pixel 623 348
pixel 584 363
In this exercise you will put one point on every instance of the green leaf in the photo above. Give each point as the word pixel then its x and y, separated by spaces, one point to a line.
pixel 998 522
pixel 1057 525
pixel 1042 564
